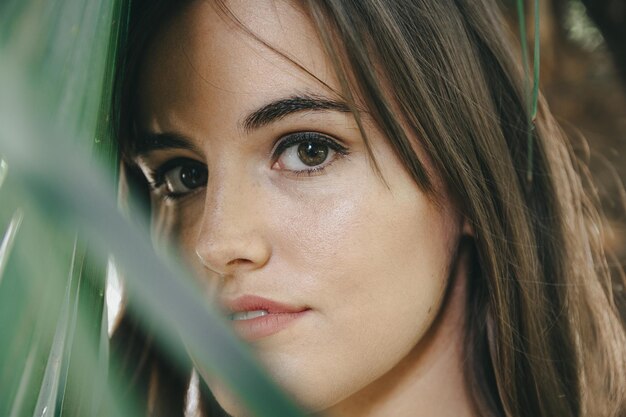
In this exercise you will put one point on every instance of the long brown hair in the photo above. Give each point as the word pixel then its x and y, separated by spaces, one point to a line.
pixel 544 335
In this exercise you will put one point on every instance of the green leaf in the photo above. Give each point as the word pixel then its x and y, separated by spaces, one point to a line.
pixel 532 92
pixel 52 389
pixel 56 62
pixel 9 238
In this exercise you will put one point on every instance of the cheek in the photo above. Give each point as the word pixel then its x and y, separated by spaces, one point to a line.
pixel 374 266
pixel 363 240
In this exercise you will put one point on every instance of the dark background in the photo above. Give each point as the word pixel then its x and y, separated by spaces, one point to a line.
pixel 583 76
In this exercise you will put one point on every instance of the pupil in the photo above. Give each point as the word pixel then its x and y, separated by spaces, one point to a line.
pixel 312 154
pixel 193 176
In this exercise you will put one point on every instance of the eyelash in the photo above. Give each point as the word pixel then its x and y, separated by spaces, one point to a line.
pixel 157 177
pixel 287 141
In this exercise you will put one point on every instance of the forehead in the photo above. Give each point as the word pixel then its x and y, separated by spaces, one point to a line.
pixel 232 63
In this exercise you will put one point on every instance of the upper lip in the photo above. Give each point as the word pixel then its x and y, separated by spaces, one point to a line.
pixel 254 302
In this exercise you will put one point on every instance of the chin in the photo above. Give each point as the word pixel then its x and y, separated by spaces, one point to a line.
pixel 306 395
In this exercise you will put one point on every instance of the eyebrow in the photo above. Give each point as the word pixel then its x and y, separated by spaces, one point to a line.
pixel 281 108
pixel 147 142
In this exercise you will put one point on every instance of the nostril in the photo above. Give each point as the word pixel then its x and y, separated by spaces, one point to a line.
pixel 239 261
pixel 228 251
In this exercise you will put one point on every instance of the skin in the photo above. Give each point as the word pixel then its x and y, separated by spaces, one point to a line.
pixel 379 263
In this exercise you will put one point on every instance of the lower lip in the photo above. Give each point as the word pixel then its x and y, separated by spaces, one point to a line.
pixel 259 327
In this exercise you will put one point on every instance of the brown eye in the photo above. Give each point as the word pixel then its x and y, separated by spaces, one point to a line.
pixel 307 152
pixel 312 153
pixel 185 177
pixel 193 176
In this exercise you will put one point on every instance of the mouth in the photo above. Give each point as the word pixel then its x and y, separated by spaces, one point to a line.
pixel 256 317
pixel 248 315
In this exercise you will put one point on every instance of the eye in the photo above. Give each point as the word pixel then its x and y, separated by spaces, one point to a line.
pixel 306 152
pixel 180 176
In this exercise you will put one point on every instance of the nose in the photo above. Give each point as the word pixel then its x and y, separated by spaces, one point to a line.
pixel 231 237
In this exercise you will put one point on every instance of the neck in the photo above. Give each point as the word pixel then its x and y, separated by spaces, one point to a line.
pixel 429 381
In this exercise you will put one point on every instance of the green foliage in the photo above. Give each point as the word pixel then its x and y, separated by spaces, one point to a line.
pixel 533 92
pixel 59 223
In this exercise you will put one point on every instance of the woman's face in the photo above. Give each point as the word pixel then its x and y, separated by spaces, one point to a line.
pixel 261 175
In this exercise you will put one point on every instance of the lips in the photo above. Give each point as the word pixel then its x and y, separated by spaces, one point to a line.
pixel 256 317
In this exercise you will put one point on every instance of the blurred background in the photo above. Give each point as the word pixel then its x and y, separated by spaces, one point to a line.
pixel 583 76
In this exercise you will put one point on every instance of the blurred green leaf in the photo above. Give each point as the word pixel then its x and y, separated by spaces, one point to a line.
pixel 56 66
pixel 52 386
pixel 9 238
